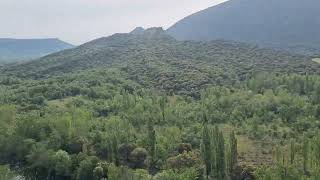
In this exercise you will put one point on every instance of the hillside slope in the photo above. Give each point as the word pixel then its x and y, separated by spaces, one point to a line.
pixel 155 59
pixel 117 102
pixel 24 49
pixel 283 24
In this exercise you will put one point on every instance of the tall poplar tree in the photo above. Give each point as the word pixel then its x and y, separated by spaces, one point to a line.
pixel 305 154
pixel 220 156
pixel 206 150
pixel 152 144
pixel 233 152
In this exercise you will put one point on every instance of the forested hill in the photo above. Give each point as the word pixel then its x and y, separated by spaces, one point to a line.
pixel 155 59
pixel 146 106
pixel 284 24
pixel 25 49
pixel 118 48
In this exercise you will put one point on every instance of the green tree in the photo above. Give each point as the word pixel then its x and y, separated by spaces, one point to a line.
pixel 233 153
pixel 62 164
pixel 152 145
pixel 138 158
pixel 305 154
pixel 162 104
pixel 292 151
pixel 220 156
pixel 206 146
pixel 86 167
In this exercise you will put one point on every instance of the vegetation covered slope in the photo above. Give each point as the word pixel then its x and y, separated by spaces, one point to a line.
pixel 285 24
pixel 144 106
pixel 156 60
pixel 12 50
pixel 98 123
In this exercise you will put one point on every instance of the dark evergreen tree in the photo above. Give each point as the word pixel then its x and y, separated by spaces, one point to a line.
pixel 206 148
pixel 152 144
pixel 233 152
pixel 162 104
pixel 220 157
pixel 305 154
pixel 292 152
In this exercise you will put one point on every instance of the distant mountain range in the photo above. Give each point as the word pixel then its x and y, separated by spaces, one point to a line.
pixel 25 49
pixel 283 24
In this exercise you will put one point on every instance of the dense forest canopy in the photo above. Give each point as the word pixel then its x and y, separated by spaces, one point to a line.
pixel 156 60
pixel 145 106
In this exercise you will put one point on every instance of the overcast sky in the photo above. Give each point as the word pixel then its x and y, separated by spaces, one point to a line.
pixel 78 21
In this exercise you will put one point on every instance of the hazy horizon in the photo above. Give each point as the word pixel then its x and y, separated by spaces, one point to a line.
pixel 78 21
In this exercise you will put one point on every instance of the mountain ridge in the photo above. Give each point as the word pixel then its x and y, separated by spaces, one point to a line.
pixel 281 24
pixel 25 49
